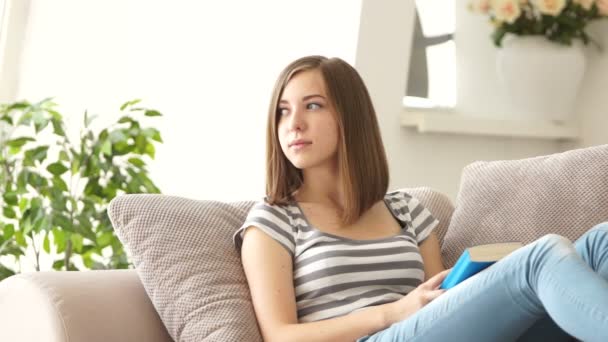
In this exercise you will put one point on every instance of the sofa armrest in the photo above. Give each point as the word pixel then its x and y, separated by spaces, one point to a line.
pixel 109 305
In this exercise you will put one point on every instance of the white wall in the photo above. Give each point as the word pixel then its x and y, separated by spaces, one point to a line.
pixel 208 66
pixel 593 100
pixel 210 69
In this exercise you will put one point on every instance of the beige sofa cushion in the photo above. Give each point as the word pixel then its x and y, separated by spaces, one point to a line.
pixel 521 200
pixel 184 254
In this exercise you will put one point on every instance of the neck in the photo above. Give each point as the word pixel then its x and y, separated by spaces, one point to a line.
pixel 321 186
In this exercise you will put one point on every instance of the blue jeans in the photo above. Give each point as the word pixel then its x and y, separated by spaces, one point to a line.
pixel 548 290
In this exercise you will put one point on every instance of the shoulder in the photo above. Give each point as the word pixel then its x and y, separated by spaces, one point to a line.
pixel 272 212
pixel 400 199
pixel 407 207
pixel 420 220
pixel 276 221
pixel 399 194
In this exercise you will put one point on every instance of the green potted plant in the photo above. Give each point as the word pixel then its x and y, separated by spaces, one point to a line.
pixel 540 60
pixel 55 189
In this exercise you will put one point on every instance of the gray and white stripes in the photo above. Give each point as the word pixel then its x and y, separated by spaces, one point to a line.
pixel 334 276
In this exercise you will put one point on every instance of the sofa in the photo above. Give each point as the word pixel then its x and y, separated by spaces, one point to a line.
pixel 187 283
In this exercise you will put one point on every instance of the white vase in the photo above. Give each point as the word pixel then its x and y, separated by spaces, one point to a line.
pixel 541 78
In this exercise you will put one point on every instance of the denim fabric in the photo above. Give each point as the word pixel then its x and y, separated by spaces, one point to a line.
pixel 549 290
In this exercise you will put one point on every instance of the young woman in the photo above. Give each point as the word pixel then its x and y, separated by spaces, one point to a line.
pixel 330 255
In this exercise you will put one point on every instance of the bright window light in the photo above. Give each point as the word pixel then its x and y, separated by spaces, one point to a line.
pixel 437 19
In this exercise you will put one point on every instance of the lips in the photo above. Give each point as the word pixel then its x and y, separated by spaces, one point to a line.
pixel 299 142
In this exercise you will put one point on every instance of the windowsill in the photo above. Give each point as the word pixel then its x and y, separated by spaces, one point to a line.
pixel 444 121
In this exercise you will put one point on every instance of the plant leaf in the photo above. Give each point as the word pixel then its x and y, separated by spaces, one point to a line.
pixel 125 119
pixel 23 203
pixel 57 168
pixel 59 239
pixel 150 150
pixel 152 112
pixel 77 242
pixel 18 105
pixel 5 272
pixel 10 198
pixel 75 166
pixel 7 119
pixel 26 225
pixel 63 156
pixel 152 133
pixel 55 115
pixel 105 239
pixel 129 103
pixel 106 148
pixel 8 212
pixel 87 260
pixel 20 239
pixel 60 184
pixel 37 154
pixel 8 231
pixel 40 120
pixel 46 244
pixel 88 119
pixel 118 136
pixel 58 264
pixel 63 222
pixel 137 162
pixel 19 141
pixel 58 127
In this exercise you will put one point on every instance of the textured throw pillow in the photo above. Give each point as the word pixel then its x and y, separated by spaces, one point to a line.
pixel 184 255
pixel 522 200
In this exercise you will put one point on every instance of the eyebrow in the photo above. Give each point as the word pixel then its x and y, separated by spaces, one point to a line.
pixel 307 97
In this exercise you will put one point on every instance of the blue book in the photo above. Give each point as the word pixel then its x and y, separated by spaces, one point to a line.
pixel 475 259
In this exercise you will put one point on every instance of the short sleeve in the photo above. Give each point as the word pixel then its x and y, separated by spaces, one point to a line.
pixel 272 220
pixel 423 222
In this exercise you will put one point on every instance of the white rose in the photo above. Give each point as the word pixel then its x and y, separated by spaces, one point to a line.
pixel 586 4
pixel 506 10
pixel 550 7
pixel 602 6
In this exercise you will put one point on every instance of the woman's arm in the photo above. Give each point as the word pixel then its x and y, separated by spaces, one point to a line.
pixel 431 256
pixel 268 268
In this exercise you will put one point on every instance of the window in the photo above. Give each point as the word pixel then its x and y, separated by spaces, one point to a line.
pixel 432 69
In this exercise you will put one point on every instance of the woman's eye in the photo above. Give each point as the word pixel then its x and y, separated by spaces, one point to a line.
pixel 313 106
pixel 282 111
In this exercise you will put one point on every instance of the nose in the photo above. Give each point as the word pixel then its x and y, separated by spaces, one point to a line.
pixel 296 120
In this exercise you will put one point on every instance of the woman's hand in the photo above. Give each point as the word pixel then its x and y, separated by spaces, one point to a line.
pixel 415 300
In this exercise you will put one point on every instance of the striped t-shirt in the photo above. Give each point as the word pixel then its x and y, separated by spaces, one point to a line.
pixel 333 275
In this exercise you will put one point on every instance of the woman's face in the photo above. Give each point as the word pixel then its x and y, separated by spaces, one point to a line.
pixel 307 126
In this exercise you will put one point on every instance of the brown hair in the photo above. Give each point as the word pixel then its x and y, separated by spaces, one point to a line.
pixel 361 157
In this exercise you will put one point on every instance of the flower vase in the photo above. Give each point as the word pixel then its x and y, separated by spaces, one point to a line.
pixel 541 78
